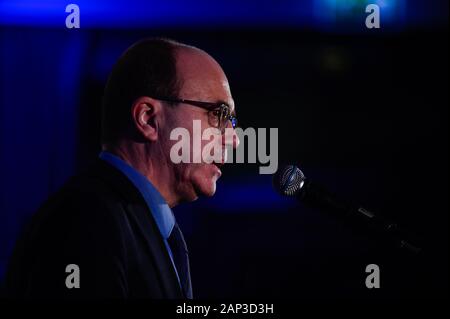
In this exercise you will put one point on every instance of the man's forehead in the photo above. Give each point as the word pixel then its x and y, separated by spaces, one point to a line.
pixel 202 77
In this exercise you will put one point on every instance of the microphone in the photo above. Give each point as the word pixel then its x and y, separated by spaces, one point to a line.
pixel 290 181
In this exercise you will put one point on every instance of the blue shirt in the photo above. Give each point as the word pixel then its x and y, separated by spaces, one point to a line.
pixel 162 214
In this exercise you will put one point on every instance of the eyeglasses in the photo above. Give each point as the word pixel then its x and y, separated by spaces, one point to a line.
pixel 218 113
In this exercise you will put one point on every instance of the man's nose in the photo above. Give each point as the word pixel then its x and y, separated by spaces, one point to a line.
pixel 230 136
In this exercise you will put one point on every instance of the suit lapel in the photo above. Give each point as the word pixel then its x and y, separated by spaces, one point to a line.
pixel 141 215
pixel 158 251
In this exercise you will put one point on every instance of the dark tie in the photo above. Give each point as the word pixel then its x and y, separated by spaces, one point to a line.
pixel 181 259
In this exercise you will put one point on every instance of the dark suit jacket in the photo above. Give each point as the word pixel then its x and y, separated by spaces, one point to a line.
pixel 100 222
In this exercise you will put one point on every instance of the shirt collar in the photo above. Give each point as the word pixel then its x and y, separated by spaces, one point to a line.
pixel 161 212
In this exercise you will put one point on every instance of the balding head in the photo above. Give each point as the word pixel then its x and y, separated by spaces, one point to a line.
pixel 201 77
pixel 145 102
pixel 159 68
pixel 147 68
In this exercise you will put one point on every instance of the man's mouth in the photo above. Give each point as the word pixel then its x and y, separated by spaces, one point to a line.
pixel 218 165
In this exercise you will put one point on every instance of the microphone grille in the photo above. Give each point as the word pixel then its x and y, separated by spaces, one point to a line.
pixel 288 180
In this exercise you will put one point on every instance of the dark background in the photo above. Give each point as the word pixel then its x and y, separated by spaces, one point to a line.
pixel 361 111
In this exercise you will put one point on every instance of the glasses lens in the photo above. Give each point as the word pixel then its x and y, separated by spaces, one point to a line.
pixel 233 121
pixel 214 117
pixel 219 117
pixel 224 116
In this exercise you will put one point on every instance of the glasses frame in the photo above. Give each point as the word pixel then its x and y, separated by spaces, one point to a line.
pixel 209 106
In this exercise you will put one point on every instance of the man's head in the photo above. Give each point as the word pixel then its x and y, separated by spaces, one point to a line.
pixel 137 121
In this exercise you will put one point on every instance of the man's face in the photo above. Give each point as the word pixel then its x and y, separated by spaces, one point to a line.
pixel 202 80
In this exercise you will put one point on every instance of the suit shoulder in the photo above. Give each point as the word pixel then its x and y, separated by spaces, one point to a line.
pixel 83 204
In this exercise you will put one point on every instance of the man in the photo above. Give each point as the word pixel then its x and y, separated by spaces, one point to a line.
pixel 110 231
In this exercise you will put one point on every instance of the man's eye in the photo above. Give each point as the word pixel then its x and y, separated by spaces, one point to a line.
pixel 219 113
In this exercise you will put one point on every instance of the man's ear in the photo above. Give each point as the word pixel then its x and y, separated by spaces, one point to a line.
pixel 146 114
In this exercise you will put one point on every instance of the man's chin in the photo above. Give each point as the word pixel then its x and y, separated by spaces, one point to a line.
pixel 207 188
pixel 204 182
